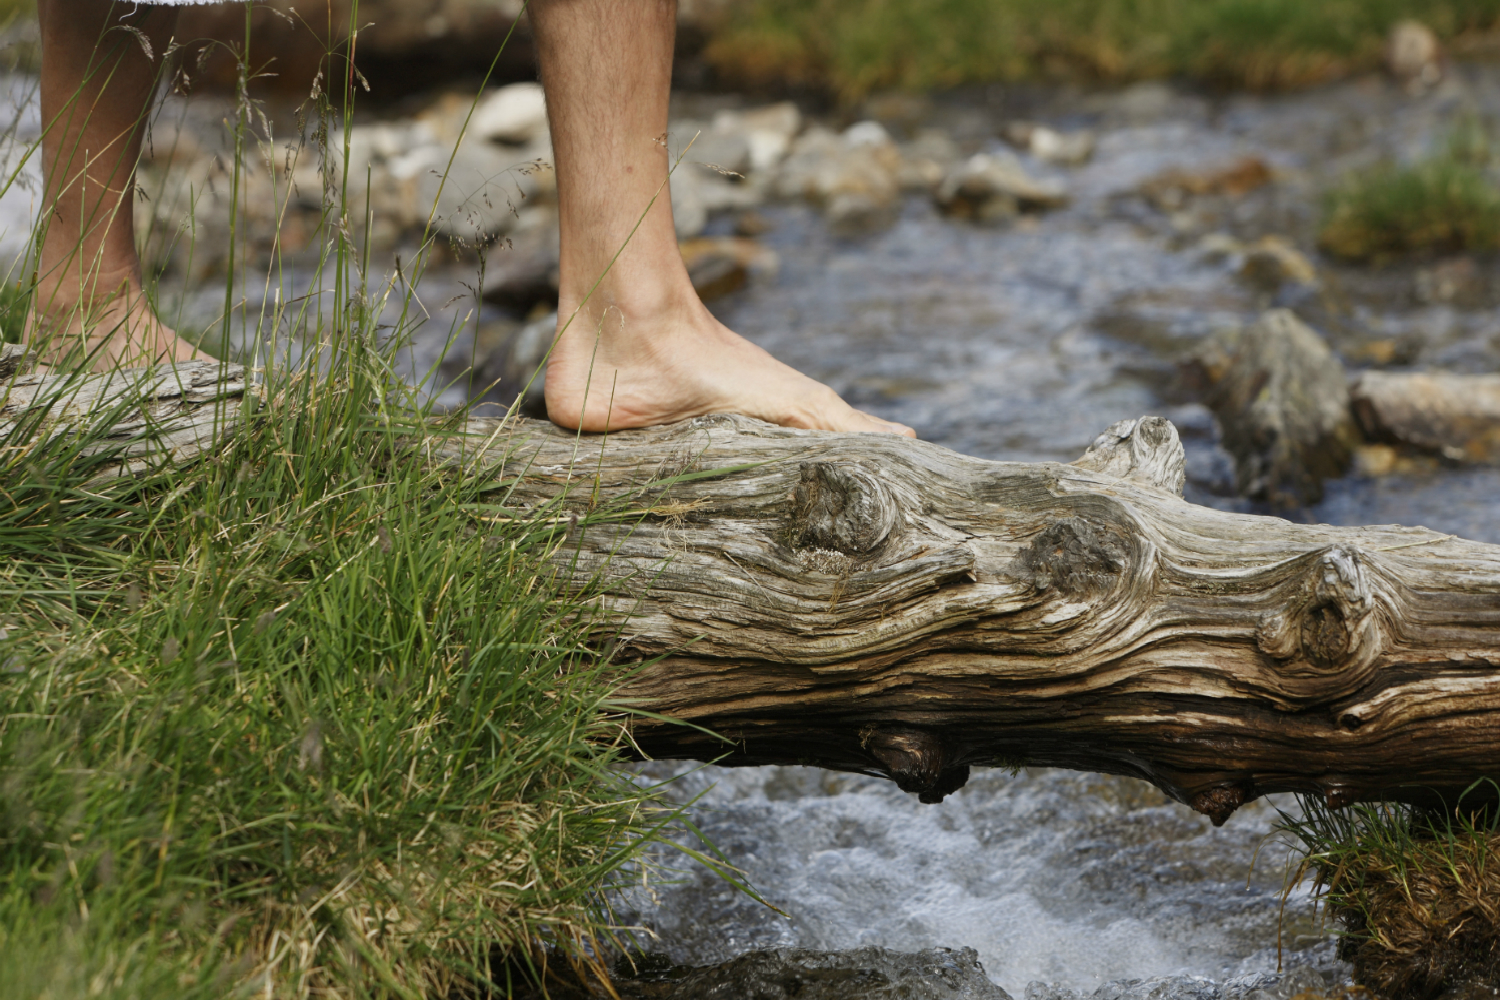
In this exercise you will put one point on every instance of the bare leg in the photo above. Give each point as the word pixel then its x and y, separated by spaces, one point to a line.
pixel 642 349
pixel 97 87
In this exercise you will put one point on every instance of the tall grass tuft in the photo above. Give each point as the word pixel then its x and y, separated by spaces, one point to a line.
pixel 300 718
pixel 855 46
pixel 1447 203
pixel 1416 891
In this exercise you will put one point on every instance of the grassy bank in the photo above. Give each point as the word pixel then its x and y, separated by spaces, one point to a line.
pixel 1446 203
pixel 1416 893
pixel 305 717
pixel 854 47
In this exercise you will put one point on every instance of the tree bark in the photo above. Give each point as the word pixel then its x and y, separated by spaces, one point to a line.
pixel 155 416
pixel 875 604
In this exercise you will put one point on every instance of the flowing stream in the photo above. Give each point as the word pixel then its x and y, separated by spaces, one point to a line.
pixel 1023 342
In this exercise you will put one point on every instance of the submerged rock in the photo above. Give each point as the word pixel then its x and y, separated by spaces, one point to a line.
pixel 1299 980
pixel 859 974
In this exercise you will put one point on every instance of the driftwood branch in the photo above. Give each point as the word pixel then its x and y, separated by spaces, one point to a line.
pixel 875 604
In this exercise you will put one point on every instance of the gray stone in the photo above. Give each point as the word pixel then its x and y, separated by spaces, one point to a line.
pixel 859 974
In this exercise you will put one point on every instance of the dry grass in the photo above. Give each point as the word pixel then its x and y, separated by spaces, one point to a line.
pixel 1417 893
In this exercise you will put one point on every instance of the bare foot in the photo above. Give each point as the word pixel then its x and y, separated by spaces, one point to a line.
pixel 120 332
pixel 636 372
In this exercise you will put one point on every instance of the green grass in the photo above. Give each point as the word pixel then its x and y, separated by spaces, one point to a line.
pixel 298 714
pixel 303 717
pixel 853 47
pixel 1416 892
pixel 1446 203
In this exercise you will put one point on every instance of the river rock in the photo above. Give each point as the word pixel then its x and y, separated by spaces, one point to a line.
pixel 515 115
pixel 1413 55
pixel 853 176
pixel 1445 413
pixel 858 974
pixel 1048 144
pixel 926 160
pixel 1171 190
pixel 1282 402
pixel 1273 262
pixel 719 265
pixel 989 187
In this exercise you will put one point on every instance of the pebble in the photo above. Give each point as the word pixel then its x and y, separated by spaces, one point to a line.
pixel 1413 55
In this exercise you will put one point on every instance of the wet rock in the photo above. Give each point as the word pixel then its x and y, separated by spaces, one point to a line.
pixel 1282 402
pixel 859 974
pixel 927 159
pixel 1452 415
pixel 1066 148
pixel 1273 262
pixel 515 114
pixel 1413 55
pixel 853 176
pixel 1171 190
pixel 991 187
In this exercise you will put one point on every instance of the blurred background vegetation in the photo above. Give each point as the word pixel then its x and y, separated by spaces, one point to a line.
pixel 853 47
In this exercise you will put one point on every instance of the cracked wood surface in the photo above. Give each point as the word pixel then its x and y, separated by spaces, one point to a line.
pixel 871 603
pixel 156 415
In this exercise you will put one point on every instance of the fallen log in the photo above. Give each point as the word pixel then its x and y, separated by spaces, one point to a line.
pixel 875 604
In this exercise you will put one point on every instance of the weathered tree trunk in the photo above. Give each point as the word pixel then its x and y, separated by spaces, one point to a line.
pixel 156 415
pixel 871 603
pixel 876 604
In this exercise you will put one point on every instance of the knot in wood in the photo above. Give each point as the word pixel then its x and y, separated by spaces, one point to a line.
pixel 1220 802
pixel 1076 557
pixel 841 508
pixel 1145 450
pixel 1331 619
pixel 917 761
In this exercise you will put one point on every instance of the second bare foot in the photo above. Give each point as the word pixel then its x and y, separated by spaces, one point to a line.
pixel 638 371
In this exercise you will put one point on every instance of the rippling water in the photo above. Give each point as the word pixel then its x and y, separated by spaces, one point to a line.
pixel 1072 879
